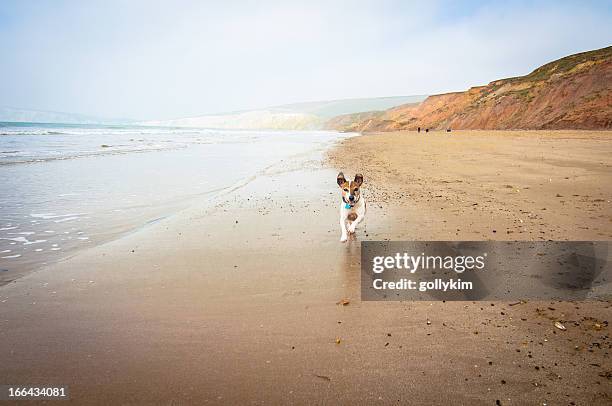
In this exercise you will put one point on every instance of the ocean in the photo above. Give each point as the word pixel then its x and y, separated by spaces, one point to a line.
pixel 69 187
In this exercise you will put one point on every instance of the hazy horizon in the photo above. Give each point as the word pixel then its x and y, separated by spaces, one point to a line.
pixel 317 103
pixel 142 61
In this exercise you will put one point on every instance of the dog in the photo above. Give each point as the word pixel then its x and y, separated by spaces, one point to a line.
pixel 352 206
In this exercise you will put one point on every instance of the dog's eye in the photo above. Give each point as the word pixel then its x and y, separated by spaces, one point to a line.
pixel 346 190
pixel 356 190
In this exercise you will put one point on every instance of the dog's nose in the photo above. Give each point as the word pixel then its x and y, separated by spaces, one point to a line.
pixel 351 198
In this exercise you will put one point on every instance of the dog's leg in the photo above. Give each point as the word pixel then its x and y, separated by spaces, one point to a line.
pixel 347 224
pixel 353 226
pixel 344 235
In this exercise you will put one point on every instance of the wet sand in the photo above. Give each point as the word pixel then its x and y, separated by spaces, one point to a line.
pixel 236 302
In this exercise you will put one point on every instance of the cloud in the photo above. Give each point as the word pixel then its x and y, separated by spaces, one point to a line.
pixel 158 60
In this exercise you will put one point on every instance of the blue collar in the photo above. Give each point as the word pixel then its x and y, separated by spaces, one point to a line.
pixel 347 206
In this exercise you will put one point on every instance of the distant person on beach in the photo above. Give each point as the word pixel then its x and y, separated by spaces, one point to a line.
pixel 418 129
pixel 427 130
pixel 448 130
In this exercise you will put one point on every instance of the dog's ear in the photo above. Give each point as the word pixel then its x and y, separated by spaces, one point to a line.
pixel 358 179
pixel 341 179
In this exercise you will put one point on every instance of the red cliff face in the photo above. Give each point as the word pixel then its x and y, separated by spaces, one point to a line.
pixel 574 92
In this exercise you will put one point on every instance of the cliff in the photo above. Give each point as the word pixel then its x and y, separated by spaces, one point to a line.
pixel 570 93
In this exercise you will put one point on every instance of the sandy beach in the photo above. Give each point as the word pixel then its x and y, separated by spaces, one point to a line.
pixel 490 185
pixel 237 301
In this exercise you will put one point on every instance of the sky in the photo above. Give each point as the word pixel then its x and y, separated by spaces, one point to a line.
pixel 145 60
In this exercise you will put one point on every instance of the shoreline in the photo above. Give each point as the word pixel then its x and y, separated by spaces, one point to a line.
pixel 248 288
pixel 119 194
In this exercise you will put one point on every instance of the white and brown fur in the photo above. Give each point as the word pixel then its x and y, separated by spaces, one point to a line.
pixel 351 196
